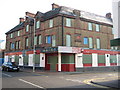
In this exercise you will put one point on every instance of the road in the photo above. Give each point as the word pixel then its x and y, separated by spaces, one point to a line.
pixel 46 81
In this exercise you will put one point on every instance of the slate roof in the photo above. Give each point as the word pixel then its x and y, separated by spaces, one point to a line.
pixel 19 26
pixel 67 11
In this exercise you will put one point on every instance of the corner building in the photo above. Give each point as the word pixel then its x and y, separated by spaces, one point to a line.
pixel 65 39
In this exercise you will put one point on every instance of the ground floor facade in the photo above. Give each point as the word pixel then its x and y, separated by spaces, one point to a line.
pixel 66 59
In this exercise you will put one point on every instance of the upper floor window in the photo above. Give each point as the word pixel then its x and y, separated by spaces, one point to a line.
pixel 39 39
pixel 98 43
pixel 35 40
pixel 26 42
pixel 12 45
pixel 85 40
pixel 90 42
pixel 97 27
pixel 68 40
pixel 68 22
pixel 48 39
pixel 90 26
pixel 11 35
pixel 51 23
pixel 18 33
pixel 27 28
pixel 37 24
pixel 53 41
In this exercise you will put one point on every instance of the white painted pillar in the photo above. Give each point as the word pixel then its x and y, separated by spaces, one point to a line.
pixel 13 58
pixel 107 59
pixel 30 63
pixel 20 60
pixel 94 60
pixel 59 62
pixel 118 59
pixel 42 59
pixel 6 59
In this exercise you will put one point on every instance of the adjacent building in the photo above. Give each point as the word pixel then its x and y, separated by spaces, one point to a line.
pixel 64 39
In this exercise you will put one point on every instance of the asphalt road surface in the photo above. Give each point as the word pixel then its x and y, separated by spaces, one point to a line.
pixel 55 80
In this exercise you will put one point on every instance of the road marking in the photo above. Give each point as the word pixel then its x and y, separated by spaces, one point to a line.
pixel 73 80
pixel 31 83
pixel 7 75
pixel 88 81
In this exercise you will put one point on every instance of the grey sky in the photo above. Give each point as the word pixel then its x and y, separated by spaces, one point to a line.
pixel 12 10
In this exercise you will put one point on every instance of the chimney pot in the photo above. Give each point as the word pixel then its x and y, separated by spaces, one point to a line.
pixel 21 20
pixel 55 6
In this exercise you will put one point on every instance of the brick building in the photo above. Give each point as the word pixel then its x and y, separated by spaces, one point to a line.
pixel 65 39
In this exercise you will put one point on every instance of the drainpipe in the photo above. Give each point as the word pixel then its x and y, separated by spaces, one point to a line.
pixel 62 30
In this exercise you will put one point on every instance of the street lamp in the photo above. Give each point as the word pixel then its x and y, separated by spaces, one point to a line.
pixel 33 43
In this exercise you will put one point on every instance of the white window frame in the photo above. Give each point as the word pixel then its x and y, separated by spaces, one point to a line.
pixel 53 41
pixel 11 35
pixel 98 43
pixel 68 22
pixel 27 28
pixel 18 33
pixel 35 40
pixel 37 24
pixel 90 42
pixel 68 40
pixel 26 42
pixel 40 39
pixel 90 26
pixel 97 27
pixel 51 23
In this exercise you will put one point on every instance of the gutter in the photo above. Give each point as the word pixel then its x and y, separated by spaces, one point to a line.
pixel 62 30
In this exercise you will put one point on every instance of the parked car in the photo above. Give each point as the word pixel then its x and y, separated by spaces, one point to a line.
pixel 10 66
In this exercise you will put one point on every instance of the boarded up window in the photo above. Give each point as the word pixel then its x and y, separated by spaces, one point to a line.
pixel 87 58
pixel 101 58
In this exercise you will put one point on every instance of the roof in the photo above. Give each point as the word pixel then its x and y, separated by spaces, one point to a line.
pixel 70 12
pixel 19 26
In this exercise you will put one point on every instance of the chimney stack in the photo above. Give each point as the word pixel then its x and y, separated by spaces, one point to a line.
pixel 55 6
pixel 108 15
pixel 30 14
pixel 21 20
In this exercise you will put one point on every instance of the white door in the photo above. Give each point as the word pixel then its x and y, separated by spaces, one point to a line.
pixel 79 60
pixel 30 63
pixel 107 58
pixel 42 59
pixel 20 60
pixel 94 60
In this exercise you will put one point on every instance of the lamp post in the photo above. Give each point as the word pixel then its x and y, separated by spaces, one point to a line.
pixel 33 43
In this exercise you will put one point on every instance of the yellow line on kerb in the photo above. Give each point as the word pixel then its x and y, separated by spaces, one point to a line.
pixel 88 81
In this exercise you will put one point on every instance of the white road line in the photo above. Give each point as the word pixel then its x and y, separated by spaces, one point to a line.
pixel 31 83
pixel 7 75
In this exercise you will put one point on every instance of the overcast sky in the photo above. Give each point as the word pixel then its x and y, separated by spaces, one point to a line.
pixel 12 10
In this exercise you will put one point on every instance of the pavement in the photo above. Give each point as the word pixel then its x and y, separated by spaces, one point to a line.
pixel 107 82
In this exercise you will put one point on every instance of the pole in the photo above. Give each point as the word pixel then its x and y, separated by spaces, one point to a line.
pixel 34 47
